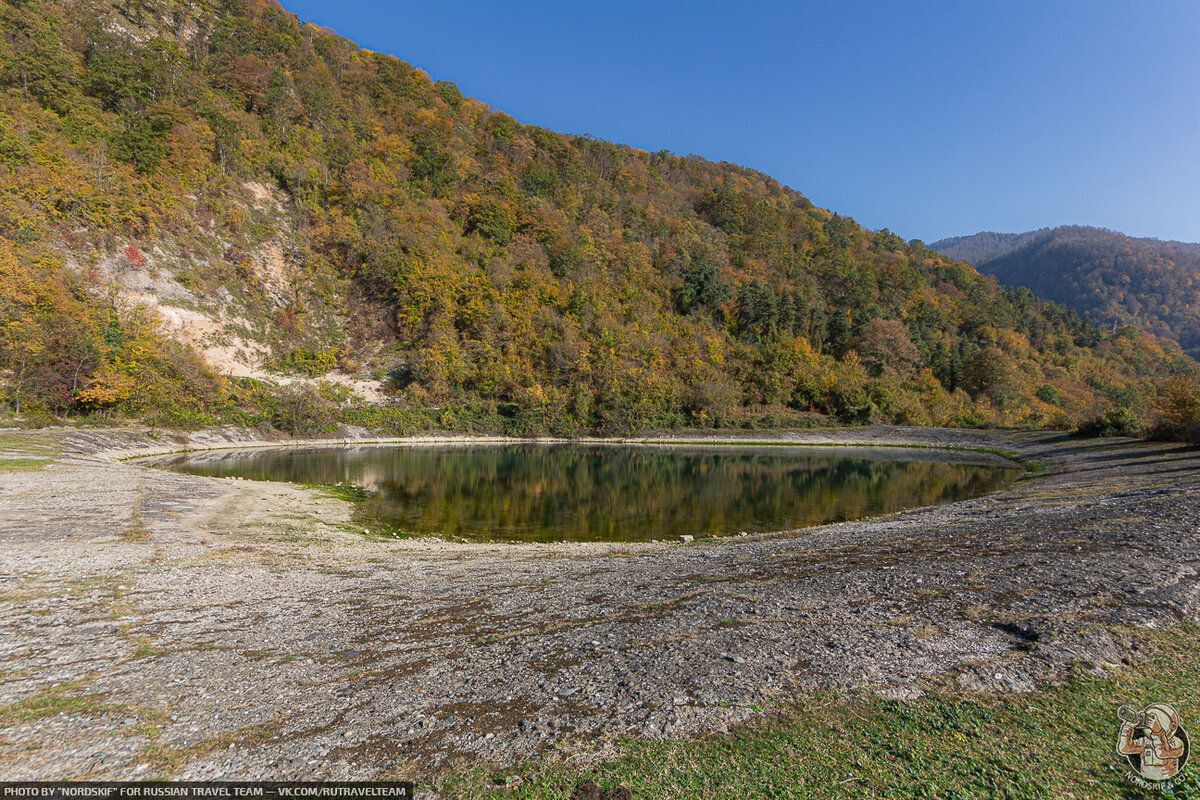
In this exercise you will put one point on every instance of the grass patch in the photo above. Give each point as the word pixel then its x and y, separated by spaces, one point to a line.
pixel 23 464
pixel 29 443
pixel 136 530
pixel 166 761
pixel 342 491
pixel 1059 742
pixel 143 647
pixel 372 518
pixel 64 698
pixel 368 518
pixel 51 704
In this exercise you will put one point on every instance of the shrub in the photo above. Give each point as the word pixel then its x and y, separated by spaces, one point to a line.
pixel 1182 401
pixel 1048 394
pixel 1181 405
pixel 391 420
pixel 300 410
pixel 313 363
pixel 1118 421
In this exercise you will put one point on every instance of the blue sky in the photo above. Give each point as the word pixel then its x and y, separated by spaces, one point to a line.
pixel 930 118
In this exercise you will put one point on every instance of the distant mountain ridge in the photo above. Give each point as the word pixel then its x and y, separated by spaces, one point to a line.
pixel 1115 279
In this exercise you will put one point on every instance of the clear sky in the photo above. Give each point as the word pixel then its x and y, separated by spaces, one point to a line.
pixel 930 118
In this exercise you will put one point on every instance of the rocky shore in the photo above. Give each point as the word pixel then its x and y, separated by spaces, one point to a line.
pixel 154 624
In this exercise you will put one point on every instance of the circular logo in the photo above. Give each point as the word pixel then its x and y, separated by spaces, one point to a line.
pixel 1154 743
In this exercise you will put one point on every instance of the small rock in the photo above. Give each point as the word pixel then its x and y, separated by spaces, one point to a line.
pixel 590 791
pixel 587 791
pixel 685 539
pixel 901 693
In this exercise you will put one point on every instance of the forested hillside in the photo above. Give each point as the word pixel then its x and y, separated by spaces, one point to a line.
pixel 154 154
pixel 1115 279
pixel 985 245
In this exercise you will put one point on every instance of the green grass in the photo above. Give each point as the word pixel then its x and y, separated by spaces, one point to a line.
pixel 65 698
pixel 1057 743
pixel 342 491
pixel 53 705
pixel 365 520
pixel 29 441
pixel 23 464
pixel 166 761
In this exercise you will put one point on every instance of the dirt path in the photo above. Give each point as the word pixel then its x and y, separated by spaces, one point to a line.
pixel 157 624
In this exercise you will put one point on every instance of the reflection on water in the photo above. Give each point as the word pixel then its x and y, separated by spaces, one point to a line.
pixel 583 492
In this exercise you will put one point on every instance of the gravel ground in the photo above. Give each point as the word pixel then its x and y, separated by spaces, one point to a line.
pixel 161 625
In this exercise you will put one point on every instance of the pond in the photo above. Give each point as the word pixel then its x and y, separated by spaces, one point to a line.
pixel 602 492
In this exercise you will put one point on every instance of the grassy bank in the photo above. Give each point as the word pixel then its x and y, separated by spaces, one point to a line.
pixel 1056 743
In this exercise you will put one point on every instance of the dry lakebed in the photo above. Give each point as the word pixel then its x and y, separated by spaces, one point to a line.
pixel 159 625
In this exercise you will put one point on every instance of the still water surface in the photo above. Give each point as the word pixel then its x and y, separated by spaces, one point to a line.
pixel 595 492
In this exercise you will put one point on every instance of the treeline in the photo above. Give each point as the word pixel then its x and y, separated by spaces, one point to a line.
pixel 490 270
pixel 1115 279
